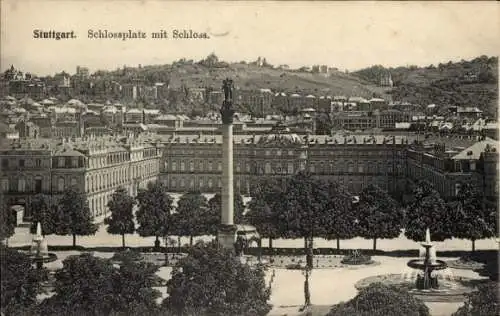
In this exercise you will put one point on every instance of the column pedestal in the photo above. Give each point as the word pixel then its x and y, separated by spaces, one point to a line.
pixel 227 236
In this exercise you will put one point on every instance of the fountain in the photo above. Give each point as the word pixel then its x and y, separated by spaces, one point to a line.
pixel 421 276
pixel 427 264
pixel 39 252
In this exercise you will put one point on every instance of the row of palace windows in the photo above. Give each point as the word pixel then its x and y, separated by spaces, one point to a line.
pixel 120 176
pixel 67 162
pixel 277 167
pixel 210 183
pixel 22 184
pixel 200 183
pixel 23 163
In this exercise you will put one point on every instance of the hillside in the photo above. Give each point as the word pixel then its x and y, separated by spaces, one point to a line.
pixel 247 76
pixel 465 83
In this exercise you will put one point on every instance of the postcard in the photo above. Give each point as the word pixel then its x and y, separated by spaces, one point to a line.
pixel 249 158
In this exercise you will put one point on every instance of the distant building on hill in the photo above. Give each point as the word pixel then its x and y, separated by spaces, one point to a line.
pixel 386 80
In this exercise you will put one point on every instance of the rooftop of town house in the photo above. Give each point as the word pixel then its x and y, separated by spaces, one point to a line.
pixel 474 152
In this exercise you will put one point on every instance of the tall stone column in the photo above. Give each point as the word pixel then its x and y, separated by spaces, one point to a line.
pixel 227 229
pixel 227 175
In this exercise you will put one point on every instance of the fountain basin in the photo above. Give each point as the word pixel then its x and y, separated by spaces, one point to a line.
pixel 448 291
pixel 45 258
pixel 420 264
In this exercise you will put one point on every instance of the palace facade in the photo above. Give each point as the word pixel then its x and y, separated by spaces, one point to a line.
pixel 96 167
pixel 185 162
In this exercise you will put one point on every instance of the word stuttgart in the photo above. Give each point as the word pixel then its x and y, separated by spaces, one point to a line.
pixel 40 34
pixel 116 35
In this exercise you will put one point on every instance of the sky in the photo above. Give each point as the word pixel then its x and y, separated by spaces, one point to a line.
pixel 346 35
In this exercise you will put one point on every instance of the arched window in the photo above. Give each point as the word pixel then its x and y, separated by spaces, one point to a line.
pixel 290 167
pixel 201 183
pixel 210 183
pixel 350 167
pixel 312 168
pixel 183 166
pixel 173 183
pixel 191 184
pixel 73 182
pixel 182 183
pixel 191 166
pixel 60 184
pixel 210 166
pixel 5 185
pixel 174 165
pixel 21 184
pixel 38 184
pixel 267 168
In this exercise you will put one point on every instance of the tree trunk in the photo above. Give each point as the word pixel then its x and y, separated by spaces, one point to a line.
pixel 307 292
pixel 123 240
pixel 473 245
pixel 191 241
pixel 270 243
pixel 157 243
pixel 179 243
pixel 375 243
pixel 74 240
pixel 338 243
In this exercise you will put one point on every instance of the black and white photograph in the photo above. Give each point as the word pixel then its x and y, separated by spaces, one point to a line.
pixel 249 158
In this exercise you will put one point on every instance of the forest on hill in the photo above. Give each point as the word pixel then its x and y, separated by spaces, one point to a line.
pixel 465 83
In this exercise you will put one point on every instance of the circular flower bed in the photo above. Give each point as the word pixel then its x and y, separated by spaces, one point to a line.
pixel 357 258
pixel 127 255
pixel 465 263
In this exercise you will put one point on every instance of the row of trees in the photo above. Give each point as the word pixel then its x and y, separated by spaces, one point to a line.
pixel 209 281
pixel 194 215
pixel 302 207
pixel 71 215
pixel 155 215
pixel 295 207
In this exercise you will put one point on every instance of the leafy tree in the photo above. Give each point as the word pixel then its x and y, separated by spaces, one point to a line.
pixel 212 281
pixel 88 285
pixel 215 209
pixel 344 224
pixel 380 300
pixel 153 215
pixel 483 302
pixel 379 216
pixel 73 215
pixel 471 219
pixel 19 282
pixel 44 213
pixel 264 208
pixel 121 220
pixel 427 210
pixel 305 212
pixel 7 224
pixel 190 218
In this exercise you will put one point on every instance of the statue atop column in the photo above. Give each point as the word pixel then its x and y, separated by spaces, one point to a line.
pixel 227 110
